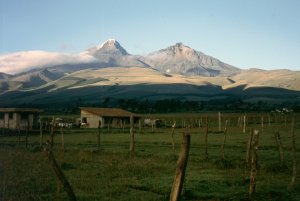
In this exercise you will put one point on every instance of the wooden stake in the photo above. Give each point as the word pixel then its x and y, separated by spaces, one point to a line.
pixel 224 140
pixel 206 136
pixel 52 134
pixel 99 134
pixel 219 116
pixel 180 168
pixel 244 128
pixel 26 136
pixel 248 147
pixel 152 126
pixel 60 175
pixel 262 123
pixel 279 145
pixel 294 168
pixel 131 134
pixel 19 135
pixel 123 126
pixel 173 129
pixel 41 132
pixel 285 120
pixel 140 126
pixel 254 163
pixel 62 139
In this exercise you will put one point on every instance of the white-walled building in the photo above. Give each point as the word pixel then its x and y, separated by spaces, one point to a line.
pixel 19 118
pixel 90 117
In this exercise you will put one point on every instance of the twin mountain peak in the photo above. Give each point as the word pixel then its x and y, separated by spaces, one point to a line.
pixel 176 59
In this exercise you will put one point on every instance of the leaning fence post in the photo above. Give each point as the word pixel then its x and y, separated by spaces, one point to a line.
pixel 131 134
pixel 294 168
pixel 254 162
pixel 60 174
pixel 180 168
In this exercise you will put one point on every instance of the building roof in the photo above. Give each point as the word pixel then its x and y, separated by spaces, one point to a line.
pixel 109 112
pixel 32 110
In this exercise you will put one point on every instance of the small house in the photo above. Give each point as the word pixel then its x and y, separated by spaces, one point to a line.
pixel 19 118
pixel 113 117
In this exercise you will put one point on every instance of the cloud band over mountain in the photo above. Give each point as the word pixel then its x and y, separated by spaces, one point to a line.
pixel 24 61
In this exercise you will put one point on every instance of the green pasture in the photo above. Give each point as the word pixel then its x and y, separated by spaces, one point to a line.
pixel 111 172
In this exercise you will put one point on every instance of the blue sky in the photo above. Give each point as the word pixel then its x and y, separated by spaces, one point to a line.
pixel 244 33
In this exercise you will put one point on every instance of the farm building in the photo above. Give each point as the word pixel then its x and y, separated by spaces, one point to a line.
pixel 90 117
pixel 19 118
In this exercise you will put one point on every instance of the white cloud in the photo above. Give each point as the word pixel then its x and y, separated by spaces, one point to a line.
pixel 23 61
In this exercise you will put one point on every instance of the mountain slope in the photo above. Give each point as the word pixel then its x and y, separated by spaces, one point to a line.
pixel 4 76
pixel 273 78
pixel 181 59
pixel 28 80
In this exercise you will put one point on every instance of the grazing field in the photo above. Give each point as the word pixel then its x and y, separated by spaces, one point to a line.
pixel 111 172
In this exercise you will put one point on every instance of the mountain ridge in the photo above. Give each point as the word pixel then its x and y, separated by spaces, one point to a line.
pixel 177 71
pixel 184 60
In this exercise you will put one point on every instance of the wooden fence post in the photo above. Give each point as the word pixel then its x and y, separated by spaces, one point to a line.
pixel 206 136
pixel 279 145
pixel 152 126
pixel 123 126
pixel 248 147
pixel 131 134
pixel 52 133
pixel 26 136
pixel 173 129
pixel 140 126
pixel 285 120
pixel 244 127
pixel 19 135
pixel 180 168
pixel 294 168
pixel 262 124
pixel 224 140
pixel 41 132
pixel 219 117
pixel 60 175
pixel 99 133
pixel 253 162
pixel 62 139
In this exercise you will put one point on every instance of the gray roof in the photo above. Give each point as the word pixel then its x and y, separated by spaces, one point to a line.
pixel 109 112
pixel 32 110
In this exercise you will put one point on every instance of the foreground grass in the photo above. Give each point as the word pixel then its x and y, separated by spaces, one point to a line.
pixel 113 174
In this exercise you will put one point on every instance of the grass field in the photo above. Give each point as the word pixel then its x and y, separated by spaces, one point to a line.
pixel 112 173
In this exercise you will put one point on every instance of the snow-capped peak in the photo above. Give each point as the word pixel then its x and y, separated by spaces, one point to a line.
pixel 110 46
pixel 109 43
